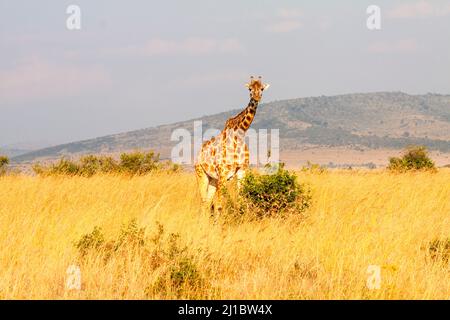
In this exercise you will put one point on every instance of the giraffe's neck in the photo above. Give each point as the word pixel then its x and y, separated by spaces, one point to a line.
pixel 245 118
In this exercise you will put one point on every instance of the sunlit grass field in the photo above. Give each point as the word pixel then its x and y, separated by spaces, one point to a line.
pixel 357 219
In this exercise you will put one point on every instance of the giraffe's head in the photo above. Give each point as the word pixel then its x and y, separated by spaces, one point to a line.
pixel 256 87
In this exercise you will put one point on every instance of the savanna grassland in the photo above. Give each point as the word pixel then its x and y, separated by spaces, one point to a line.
pixel 152 241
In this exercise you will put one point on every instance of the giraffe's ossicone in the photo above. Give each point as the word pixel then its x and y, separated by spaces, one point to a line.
pixel 227 155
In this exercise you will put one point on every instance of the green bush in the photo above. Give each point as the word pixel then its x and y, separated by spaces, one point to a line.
pixel 62 167
pixel 4 161
pixel 414 158
pixel 131 235
pixel 182 277
pixel 90 241
pixel 274 194
pixel 91 165
pixel 139 163
pixel 185 274
pixel 136 163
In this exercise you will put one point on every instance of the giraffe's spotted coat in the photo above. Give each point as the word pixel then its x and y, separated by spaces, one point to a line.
pixel 227 154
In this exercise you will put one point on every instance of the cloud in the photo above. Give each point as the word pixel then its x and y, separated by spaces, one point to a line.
pixel 325 23
pixel 284 26
pixel 286 13
pixel 36 79
pixel 402 46
pixel 420 9
pixel 193 46
pixel 287 20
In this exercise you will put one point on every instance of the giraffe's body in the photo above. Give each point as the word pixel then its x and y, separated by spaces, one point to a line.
pixel 227 155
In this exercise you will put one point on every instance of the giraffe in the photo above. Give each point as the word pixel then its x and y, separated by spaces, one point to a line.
pixel 226 155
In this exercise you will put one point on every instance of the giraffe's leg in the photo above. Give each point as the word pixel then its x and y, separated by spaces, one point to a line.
pixel 219 205
pixel 203 183
pixel 240 174
pixel 212 189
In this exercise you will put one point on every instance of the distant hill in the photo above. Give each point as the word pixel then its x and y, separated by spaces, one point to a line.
pixel 13 152
pixel 385 120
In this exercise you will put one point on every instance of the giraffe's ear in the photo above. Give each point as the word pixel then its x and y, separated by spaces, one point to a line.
pixel 266 86
pixel 247 85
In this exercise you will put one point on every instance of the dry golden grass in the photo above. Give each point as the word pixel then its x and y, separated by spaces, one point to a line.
pixel 357 219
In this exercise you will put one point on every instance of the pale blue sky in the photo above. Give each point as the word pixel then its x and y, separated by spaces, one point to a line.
pixel 142 63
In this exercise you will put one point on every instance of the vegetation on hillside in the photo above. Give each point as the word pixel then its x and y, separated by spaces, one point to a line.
pixel 375 120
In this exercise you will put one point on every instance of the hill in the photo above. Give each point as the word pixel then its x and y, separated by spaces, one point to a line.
pixel 362 122
pixel 13 152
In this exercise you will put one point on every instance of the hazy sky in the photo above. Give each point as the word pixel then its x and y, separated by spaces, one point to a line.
pixel 137 64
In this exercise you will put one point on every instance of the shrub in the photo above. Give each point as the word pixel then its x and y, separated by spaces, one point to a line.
pixel 314 168
pixel 414 158
pixel 182 277
pixel 178 274
pixel 136 163
pixel 4 161
pixel 184 274
pixel 91 165
pixel 173 167
pixel 93 240
pixel 131 235
pixel 66 167
pixel 274 194
pixel 439 250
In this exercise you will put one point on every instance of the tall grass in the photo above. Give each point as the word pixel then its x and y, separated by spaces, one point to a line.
pixel 356 219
